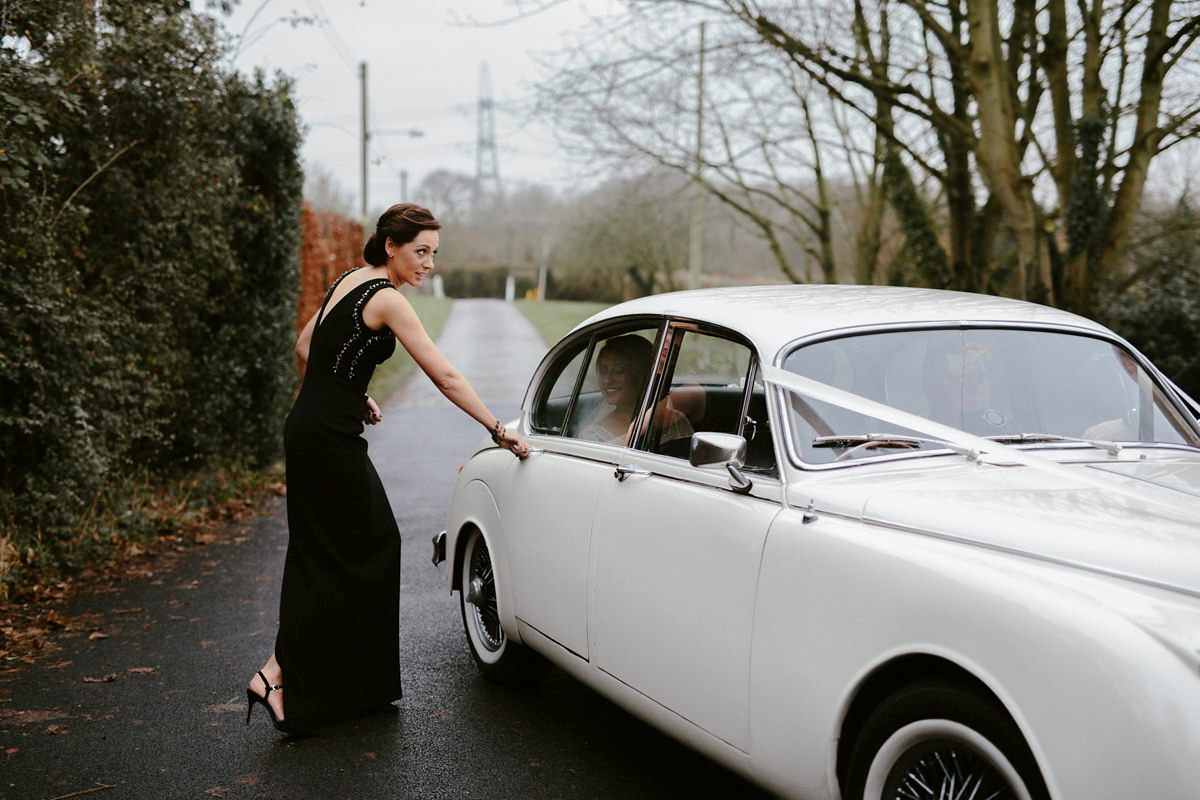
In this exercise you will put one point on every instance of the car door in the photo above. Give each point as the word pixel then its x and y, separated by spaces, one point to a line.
pixel 550 498
pixel 677 550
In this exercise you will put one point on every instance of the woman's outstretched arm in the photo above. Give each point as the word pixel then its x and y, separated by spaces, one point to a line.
pixel 393 310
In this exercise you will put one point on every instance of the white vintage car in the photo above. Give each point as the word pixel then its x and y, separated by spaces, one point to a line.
pixel 857 542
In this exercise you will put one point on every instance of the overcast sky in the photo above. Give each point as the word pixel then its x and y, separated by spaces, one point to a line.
pixel 423 73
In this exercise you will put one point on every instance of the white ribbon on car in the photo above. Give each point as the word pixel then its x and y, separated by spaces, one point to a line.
pixel 969 445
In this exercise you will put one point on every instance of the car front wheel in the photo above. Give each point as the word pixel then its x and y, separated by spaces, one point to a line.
pixel 935 741
pixel 498 658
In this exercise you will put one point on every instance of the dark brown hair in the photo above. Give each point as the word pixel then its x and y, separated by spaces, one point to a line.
pixel 401 223
pixel 637 352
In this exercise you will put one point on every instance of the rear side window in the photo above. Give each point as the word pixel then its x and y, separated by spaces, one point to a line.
pixel 594 388
pixel 556 390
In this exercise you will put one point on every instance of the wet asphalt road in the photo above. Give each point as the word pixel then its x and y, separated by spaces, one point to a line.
pixel 146 699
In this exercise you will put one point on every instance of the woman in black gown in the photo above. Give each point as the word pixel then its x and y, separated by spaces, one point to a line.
pixel 339 623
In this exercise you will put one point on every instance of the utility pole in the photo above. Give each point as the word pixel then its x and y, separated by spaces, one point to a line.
pixel 696 232
pixel 362 79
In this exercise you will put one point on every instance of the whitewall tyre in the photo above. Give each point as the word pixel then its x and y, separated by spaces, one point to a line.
pixel 497 657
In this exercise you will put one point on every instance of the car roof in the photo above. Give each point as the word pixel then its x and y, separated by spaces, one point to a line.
pixel 773 316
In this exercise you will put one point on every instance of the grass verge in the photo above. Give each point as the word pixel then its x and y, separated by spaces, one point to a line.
pixel 391 374
pixel 555 318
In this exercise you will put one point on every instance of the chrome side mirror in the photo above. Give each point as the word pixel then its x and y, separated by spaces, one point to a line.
pixel 711 449
pixel 718 450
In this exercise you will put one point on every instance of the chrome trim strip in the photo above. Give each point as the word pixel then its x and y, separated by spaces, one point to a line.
pixel 1110 469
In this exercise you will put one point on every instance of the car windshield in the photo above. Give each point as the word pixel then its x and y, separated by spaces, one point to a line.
pixel 1014 386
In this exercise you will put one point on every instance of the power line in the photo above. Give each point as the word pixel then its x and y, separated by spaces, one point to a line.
pixel 325 23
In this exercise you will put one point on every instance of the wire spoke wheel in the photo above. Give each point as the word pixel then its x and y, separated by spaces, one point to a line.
pixel 942 768
pixel 499 658
pixel 481 597
pixel 935 741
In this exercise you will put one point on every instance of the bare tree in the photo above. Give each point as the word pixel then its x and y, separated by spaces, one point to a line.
pixel 1012 141
pixel 448 193
pixel 627 237
pixel 323 192
pixel 631 99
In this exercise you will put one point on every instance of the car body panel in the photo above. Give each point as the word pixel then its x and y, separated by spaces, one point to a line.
pixel 547 512
pixel 1028 511
pixel 773 316
pixel 698 612
pixel 902 580
pixel 1063 580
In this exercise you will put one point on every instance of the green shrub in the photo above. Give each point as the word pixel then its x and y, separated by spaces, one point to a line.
pixel 149 251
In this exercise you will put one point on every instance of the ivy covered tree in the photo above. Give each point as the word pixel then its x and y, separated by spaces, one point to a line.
pixel 1157 305
pixel 149 240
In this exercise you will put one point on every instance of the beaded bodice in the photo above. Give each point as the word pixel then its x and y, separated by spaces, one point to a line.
pixel 342 346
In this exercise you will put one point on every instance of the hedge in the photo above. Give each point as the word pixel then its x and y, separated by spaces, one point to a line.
pixel 149 249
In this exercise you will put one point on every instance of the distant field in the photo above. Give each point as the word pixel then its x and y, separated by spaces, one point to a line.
pixel 553 318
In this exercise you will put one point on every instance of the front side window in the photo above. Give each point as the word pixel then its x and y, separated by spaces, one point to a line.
pixel 706 389
pixel 1010 385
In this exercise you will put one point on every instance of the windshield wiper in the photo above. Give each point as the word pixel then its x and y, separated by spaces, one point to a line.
pixel 880 440
pixel 862 441
pixel 1112 448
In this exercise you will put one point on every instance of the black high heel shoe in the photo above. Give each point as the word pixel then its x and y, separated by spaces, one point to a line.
pixel 280 725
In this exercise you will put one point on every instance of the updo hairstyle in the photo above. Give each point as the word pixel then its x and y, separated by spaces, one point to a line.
pixel 401 223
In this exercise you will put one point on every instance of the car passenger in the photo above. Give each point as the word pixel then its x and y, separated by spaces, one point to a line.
pixel 958 390
pixel 623 370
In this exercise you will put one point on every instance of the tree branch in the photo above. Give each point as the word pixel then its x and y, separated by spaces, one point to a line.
pixel 90 178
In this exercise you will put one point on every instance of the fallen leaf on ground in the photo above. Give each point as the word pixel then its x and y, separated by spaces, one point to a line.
pixel 28 717
pixel 97 635
pixel 224 708
pixel 143 670
pixel 109 678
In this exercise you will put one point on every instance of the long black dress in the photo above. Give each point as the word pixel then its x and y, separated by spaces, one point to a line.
pixel 339 607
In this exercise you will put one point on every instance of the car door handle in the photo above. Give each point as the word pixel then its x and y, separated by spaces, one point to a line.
pixel 623 471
